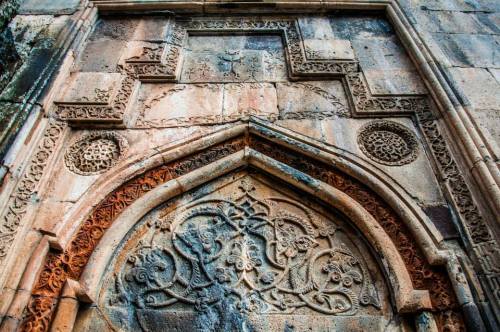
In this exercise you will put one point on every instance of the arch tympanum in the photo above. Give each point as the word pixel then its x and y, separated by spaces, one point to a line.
pixel 252 254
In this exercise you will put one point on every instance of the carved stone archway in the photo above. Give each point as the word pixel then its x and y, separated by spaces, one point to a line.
pixel 308 172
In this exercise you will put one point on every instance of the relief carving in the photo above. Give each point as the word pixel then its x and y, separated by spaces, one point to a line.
pixel 27 186
pixel 288 29
pixel 252 254
pixel 70 263
pixel 366 104
pixel 388 143
pixel 95 153
pixel 103 105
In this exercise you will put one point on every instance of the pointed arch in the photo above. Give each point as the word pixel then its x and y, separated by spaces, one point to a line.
pixel 333 176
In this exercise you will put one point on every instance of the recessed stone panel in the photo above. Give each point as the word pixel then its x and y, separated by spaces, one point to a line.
pixel 233 59
pixel 243 99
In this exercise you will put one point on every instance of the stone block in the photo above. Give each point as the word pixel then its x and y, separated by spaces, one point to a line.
pixel 488 122
pixel 383 82
pixel 173 105
pixel 470 50
pixel 243 99
pixel 387 67
pixel 314 100
pixel 352 27
pixel 152 29
pixel 328 49
pixel 115 28
pixel 453 22
pixel 110 51
pixel 49 6
pixel 478 86
pixel 233 59
pixel 228 66
pixel 50 215
pixel 421 184
pixel 315 28
pixel 382 54
pixel 91 88
pixel 310 128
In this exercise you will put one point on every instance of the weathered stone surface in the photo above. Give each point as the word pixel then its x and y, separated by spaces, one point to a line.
pixel 152 29
pixel 470 50
pixel 95 88
pixel 243 99
pixel 387 68
pixel 478 86
pixel 111 51
pixel 175 94
pixel 320 42
pixel 312 99
pixel 422 184
pixel 234 59
pixel 49 6
pixel 180 105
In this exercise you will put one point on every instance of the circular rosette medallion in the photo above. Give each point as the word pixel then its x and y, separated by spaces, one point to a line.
pixel 95 153
pixel 388 143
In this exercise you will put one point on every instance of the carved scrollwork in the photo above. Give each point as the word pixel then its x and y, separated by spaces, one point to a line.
pixel 388 143
pixel 95 153
pixel 23 194
pixel 261 255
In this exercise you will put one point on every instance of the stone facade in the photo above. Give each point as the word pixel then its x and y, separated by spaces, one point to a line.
pixel 234 166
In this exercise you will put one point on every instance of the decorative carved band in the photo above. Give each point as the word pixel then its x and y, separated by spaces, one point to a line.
pixel 486 248
pixel 16 208
pixel 94 111
pixel 70 263
pixel 287 28
pixel 366 104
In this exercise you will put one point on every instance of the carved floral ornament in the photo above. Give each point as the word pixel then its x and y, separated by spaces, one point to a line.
pixel 59 266
pixel 70 263
pixel 95 153
pixel 241 250
pixel 388 143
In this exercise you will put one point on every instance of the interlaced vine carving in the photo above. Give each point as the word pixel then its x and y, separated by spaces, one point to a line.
pixel 388 142
pixel 70 263
pixel 95 153
pixel 26 189
pixel 423 275
pixel 254 252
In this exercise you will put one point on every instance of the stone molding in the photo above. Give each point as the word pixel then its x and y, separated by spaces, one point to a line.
pixel 17 206
pixel 71 262
pixel 484 244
